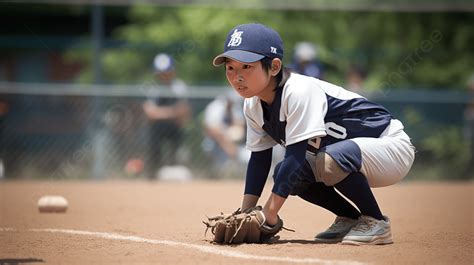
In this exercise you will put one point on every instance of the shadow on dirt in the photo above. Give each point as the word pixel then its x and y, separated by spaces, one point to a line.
pixel 19 261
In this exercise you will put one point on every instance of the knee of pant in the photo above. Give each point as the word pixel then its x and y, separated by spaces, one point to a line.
pixel 328 170
pixel 276 169
pixel 302 179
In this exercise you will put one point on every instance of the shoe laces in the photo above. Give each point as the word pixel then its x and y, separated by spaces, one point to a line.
pixel 365 224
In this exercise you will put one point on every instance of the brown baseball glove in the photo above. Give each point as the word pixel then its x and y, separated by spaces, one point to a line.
pixel 242 227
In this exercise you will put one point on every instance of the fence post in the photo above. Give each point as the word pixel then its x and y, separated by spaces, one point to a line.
pixel 98 130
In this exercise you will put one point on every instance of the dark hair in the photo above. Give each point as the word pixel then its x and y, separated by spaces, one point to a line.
pixel 281 77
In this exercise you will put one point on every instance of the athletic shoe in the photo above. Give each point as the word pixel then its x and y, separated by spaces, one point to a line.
pixel 336 232
pixel 369 231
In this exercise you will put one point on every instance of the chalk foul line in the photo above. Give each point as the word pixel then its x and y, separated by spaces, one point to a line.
pixel 215 250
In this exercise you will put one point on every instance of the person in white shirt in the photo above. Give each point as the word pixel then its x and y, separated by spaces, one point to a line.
pixel 334 139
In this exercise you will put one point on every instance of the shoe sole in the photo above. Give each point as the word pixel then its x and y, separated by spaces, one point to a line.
pixel 327 241
pixel 383 239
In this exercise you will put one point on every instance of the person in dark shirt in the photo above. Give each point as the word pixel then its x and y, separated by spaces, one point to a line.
pixel 167 110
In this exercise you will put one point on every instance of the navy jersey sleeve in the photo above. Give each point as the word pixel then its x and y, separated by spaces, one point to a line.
pixel 295 156
pixel 257 172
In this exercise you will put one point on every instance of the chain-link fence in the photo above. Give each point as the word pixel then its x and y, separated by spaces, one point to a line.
pixel 96 132
pixel 69 132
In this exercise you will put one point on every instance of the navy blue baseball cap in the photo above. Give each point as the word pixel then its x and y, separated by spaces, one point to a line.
pixel 249 43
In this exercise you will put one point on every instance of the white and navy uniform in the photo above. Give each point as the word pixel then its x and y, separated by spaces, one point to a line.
pixel 361 136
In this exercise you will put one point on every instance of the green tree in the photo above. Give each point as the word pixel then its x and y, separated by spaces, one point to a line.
pixel 399 50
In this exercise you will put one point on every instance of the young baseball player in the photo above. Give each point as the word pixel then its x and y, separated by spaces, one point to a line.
pixel 334 139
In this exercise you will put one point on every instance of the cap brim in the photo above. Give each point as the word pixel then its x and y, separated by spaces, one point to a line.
pixel 238 55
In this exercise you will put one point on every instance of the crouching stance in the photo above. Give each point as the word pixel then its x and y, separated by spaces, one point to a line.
pixel 334 140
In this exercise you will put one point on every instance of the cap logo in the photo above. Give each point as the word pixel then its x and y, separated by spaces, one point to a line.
pixel 235 39
pixel 273 50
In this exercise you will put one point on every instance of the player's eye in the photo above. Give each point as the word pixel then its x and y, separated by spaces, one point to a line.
pixel 247 66
pixel 229 68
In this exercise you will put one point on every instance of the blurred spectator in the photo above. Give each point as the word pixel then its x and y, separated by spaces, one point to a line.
pixel 469 126
pixel 168 111
pixel 305 60
pixel 224 126
pixel 355 78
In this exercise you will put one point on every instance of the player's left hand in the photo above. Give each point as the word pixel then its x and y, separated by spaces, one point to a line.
pixel 243 227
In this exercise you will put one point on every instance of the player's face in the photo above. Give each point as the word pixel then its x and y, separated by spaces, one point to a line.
pixel 250 79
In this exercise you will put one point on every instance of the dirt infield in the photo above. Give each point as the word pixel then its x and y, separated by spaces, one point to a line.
pixel 160 223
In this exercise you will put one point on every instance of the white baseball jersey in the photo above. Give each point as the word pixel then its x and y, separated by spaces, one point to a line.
pixel 358 134
pixel 308 108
